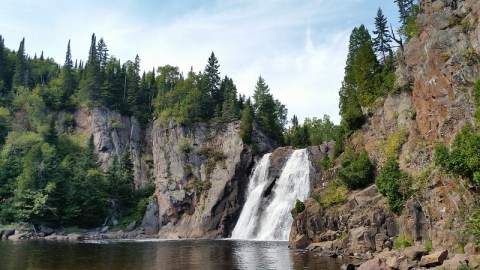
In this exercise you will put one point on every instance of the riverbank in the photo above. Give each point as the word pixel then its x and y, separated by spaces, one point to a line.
pixel 26 232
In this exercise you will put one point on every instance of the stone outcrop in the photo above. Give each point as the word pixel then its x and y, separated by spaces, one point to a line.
pixel 361 225
pixel 112 134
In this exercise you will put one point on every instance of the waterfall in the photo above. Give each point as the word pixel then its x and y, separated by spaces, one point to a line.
pixel 247 222
pixel 271 220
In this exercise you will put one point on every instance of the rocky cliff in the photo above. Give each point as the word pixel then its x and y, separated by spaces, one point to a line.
pixel 435 72
pixel 200 176
pixel 200 173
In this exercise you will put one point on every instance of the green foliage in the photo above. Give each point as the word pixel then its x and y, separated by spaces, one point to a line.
pixel 299 207
pixel 212 156
pixel 473 225
pixel 5 124
pixel 246 124
pixel 326 162
pixel 335 194
pixel 428 245
pixel 462 159
pixel 395 142
pixel 402 242
pixel 408 12
pixel 357 170
pixel 198 186
pixel 313 132
pixel 268 112
pixel 184 145
pixel 394 184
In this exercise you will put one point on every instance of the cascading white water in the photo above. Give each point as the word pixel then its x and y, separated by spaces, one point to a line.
pixel 247 222
pixel 272 220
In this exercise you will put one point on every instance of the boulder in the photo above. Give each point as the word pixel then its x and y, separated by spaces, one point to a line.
pixel 455 262
pixel 348 266
pixel 74 237
pixel 299 242
pixel 45 230
pixel 434 259
pixel 380 238
pixel 471 249
pixel 375 263
pixel 395 262
pixel 415 252
pixel 131 226
pixel 150 222
pixel 8 233
pixel 1 234
pixel 474 261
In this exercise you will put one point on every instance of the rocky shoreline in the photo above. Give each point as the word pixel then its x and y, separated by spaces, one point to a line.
pixel 26 232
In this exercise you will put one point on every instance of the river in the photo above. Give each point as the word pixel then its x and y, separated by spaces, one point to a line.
pixel 161 254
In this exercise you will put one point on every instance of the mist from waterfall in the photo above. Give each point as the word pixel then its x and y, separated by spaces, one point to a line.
pixel 269 218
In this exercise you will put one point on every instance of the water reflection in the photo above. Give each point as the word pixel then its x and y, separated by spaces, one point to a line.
pixel 178 254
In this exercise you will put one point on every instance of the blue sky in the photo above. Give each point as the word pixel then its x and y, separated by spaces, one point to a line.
pixel 299 47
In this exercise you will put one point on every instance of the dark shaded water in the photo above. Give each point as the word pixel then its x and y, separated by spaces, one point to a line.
pixel 174 254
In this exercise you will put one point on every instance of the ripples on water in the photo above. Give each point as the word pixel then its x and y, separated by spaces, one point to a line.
pixel 163 254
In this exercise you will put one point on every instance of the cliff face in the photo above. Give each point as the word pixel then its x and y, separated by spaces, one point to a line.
pixel 201 176
pixel 112 134
pixel 436 71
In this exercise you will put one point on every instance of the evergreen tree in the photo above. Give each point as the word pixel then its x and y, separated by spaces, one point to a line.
pixel 102 52
pixel 230 102
pixel 266 110
pixel 91 83
pixel 246 124
pixel 20 77
pixel 211 95
pixel 133 85
pixel 68 82
pixel 383 38
pixel 365 69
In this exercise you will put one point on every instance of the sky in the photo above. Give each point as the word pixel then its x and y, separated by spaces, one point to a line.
pixel 298 47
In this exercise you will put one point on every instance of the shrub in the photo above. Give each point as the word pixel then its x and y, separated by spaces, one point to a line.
pixel 299 207
pixel 395 142
pixel 428 245
pixel 184 146
pixel 336 193
pixel 357 170
pixel 394 184
pixel 326 163
pixel 402 242
pixel 473 225
pixel 463 158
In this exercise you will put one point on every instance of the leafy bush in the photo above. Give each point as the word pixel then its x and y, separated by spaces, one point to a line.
pixel 463 158
pixel 394 184
pixel 473 225
pixel 402 242
pixel 336 193
pixel 357 171
pixel 299 207
pixel 326 163
pixel 395 142
pixel 184 145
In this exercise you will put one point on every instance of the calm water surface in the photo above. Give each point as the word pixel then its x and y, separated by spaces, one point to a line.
pixel 167 254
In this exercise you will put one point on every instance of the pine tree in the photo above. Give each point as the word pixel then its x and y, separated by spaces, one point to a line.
pixel 20 77
pixel 266 110
pixel 246 124
pixel 91 83
pixel 211 95
pixel 102 52
pixel 383 38
pixel 230 102
pixel 68 82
